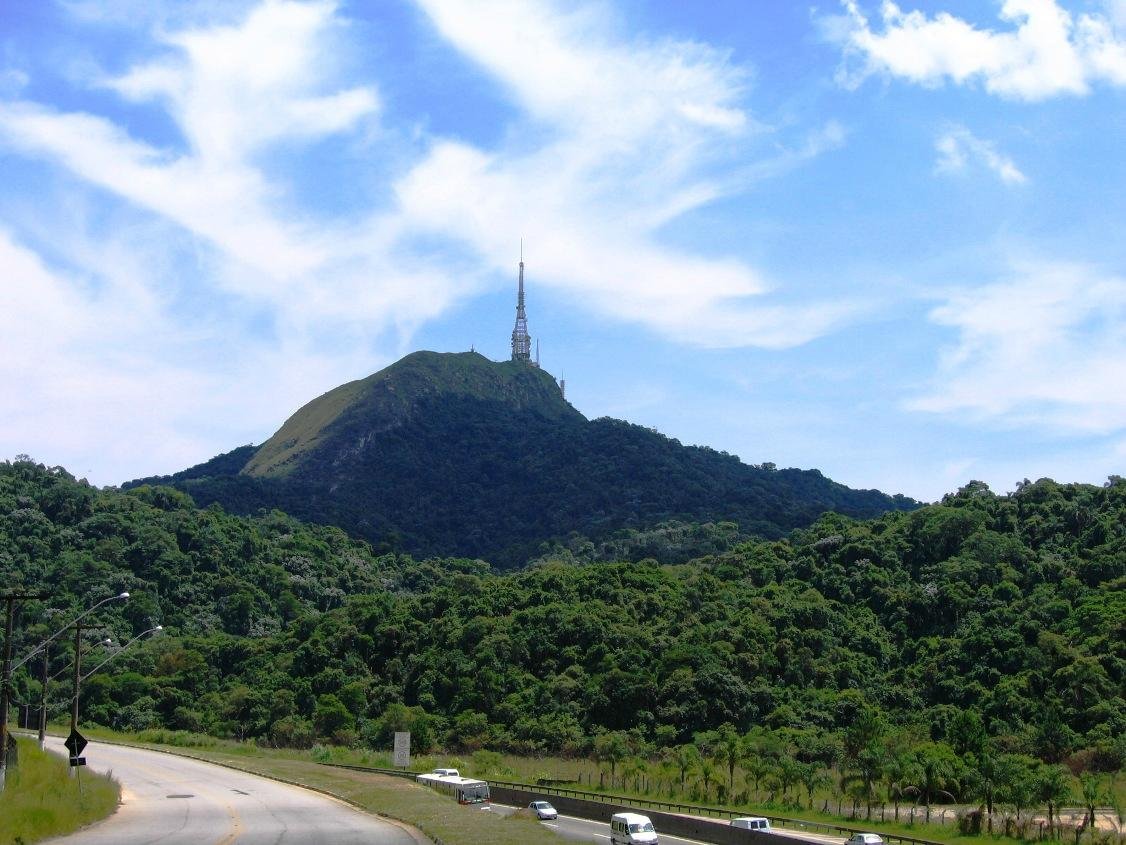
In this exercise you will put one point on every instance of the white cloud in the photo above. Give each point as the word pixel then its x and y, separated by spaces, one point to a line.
pixel 958 147
pixel 635 137
pixel 12 81
pixel 1045 52
pixel 1045 348
pixel 615 137
pixel 231 90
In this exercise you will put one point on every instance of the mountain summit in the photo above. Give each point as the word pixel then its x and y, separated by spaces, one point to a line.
pixel 454 454
pixel 340 426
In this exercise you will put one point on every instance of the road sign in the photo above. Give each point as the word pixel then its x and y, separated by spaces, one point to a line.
pixel 75 743
pixel 402 749
pixel 78 761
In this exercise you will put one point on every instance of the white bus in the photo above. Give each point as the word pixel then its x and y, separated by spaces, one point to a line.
pixel 463 790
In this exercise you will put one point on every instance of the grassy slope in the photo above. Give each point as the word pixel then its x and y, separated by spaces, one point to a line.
pixel 41 799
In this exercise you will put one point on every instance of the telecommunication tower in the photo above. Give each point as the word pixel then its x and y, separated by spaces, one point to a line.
pixel 521 340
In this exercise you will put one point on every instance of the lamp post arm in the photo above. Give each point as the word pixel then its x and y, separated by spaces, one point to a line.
pixel 120 650
pixel 61 630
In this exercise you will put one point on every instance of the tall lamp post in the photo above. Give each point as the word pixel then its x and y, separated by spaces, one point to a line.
pixel 43 693
pixel 6 682
pixel 9 667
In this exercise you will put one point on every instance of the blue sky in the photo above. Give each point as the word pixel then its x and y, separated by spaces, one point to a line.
pixel 879 240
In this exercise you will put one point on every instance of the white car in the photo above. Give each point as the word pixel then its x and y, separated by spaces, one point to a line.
pixel 543 810
pixel 865 839
pixel 752 823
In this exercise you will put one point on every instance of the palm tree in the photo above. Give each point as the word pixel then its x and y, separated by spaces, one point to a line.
pixel 789 774
pixel 708 776
pixel 813 777
pixel 869 769
pixel 938 766
pixel 901 773
pixel 757 768
pixel 686 758
pixel 613 748
pixel 730 750
pixel 631 768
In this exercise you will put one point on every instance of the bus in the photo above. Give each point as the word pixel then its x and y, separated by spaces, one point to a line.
pixel 463 790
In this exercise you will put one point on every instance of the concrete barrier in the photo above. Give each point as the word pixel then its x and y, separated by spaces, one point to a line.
pixel 674 824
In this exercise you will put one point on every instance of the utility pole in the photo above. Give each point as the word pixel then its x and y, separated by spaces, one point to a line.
pixel 43 700
pixel 10 600
pixel 77 678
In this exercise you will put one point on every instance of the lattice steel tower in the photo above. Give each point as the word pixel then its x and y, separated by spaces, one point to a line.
pixel 521 340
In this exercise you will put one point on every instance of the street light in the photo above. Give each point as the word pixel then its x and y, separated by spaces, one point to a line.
pixel 43 692
pixel 76 619
pixel 6 681
pixel 120 650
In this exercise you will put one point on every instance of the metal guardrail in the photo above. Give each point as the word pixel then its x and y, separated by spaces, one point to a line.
pixel 666 806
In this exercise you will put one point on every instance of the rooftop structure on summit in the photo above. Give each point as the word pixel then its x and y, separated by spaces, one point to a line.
pixel 521 340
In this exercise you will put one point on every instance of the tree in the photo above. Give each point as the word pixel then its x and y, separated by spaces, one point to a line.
pixel 1016 781
pixel 966 733
pixel 869 769
pixel 1053 787
pixel 613 748
pixel 729 749
pixel 813 777
pixel 331 716
pixel 1093 795
pixel 686 758
pixel 938 767
pixel 986 780
pixel 901 773
pixel 708 776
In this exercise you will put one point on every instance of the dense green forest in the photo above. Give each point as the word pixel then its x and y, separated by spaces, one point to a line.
pixel 453 454
pixel 982 625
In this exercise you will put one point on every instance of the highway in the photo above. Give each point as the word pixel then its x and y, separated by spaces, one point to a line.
pixel 174 800
pixel 584 830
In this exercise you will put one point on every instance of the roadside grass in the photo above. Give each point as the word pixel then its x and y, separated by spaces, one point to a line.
pixel 41 799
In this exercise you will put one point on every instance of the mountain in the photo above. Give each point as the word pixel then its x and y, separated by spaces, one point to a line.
pixel 454 454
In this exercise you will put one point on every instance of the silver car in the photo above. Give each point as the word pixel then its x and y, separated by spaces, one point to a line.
pixel 543 810
pixel 865 839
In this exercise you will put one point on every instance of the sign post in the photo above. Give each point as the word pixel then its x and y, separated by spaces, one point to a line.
pixel 403 749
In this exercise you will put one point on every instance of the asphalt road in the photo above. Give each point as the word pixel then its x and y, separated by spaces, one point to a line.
pixel 584 830
pixel 172 800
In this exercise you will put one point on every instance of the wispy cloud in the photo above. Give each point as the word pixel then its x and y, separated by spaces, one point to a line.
pixel 636 133
pixel 1044 348
pixel 958 148
pixel 1045 51
pixel 613 138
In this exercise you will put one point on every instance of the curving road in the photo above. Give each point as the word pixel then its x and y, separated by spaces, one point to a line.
pixel 170 800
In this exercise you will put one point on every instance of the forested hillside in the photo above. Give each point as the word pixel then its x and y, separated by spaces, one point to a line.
pixel 1000 616
pixel 454 454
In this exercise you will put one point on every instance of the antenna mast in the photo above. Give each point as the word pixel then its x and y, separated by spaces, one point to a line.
pixel 521 340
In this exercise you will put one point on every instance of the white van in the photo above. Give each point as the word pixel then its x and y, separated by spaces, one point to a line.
pixel 752 823
pixel 447 773
pixel 631 829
